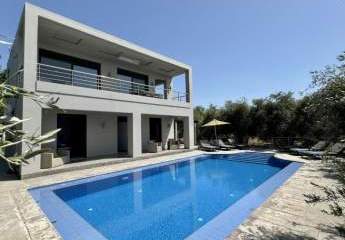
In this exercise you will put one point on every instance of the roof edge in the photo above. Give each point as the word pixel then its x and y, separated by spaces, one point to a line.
pixel 98 33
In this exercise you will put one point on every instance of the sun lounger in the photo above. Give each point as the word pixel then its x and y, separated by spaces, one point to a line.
pixel 204 145
pixel 221 145
pixel 333 150
pixel 319 146
pixel 231 142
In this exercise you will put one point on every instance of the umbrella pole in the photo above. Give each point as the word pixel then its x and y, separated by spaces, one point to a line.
pixel 215 132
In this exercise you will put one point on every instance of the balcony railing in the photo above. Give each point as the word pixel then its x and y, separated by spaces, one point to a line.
pixel 48 73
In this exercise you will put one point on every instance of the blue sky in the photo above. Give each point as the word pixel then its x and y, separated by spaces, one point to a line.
pixel 243 48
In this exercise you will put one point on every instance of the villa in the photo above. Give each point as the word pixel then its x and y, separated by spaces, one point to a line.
pixel 124 164
pixel 116 98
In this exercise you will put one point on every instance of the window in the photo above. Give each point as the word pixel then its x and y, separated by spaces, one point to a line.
pixel 160 88
pixel 138 82
pixel 57 68
pixel 53 71
pixel 85 76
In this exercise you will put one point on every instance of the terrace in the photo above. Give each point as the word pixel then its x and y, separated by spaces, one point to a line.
pixel 59 75
pixel 78 59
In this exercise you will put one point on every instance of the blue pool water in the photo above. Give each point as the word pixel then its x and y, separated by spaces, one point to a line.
pixel 164 202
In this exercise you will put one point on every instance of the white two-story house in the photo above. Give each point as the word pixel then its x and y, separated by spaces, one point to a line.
pixel 117 97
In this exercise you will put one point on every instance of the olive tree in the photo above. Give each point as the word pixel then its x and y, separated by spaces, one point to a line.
pixel 329 100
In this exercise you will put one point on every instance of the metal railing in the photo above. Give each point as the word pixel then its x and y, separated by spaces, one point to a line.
pixel 48 73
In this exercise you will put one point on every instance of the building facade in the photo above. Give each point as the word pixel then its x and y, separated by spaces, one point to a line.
pixel 116 98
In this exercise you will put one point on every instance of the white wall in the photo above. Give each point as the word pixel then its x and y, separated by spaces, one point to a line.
pixel 101 131
pixel 101 134
pixel 49 122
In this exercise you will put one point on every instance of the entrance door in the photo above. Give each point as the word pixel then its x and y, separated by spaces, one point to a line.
pixel 72 134
pixel 156 129
pixel 122 136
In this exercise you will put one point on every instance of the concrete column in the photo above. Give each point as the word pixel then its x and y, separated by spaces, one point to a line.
pixel 167 131
pixel 188 79
pixel 168 86
pixel 175 130
pixel 188 132
pixel 134 135
pixel 30 47
pixel 30 109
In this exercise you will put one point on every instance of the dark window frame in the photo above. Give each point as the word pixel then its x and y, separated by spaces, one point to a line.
pixel 71 60
pixel 134 75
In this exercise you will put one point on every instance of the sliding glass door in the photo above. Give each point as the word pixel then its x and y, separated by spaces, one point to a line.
pixel 137 83
pixel 63 69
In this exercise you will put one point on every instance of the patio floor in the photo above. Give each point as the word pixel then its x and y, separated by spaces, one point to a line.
pixel 284 215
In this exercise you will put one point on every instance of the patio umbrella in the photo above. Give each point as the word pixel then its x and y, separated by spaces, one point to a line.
pixel 214 123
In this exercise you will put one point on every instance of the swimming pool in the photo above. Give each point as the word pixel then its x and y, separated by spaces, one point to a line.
pixel 194 198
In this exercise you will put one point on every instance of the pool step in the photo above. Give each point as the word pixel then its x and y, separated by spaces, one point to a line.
pixel 250 158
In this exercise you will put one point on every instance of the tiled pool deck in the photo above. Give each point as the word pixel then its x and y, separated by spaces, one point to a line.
pixel 284 215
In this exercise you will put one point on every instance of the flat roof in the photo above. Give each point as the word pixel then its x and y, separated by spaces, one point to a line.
pixel 41 12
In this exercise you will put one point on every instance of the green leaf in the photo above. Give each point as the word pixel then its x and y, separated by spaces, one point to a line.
pixel 34 153
pixel 43 138
pixel 9 143
pixel 6 126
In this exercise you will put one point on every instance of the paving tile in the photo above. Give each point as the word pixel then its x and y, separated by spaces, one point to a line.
pixel 262 229
pixel 328 236
pixel 41 229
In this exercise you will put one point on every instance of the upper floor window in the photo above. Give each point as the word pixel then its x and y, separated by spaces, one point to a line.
pixel 137 82
pixel 60 68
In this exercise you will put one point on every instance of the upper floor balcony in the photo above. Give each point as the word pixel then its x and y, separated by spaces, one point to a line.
pixel 75 78
pixel 72 54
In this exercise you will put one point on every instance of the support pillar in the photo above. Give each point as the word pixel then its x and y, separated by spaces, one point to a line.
pixel 188 132
pixel 134 135
pixel 30 109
